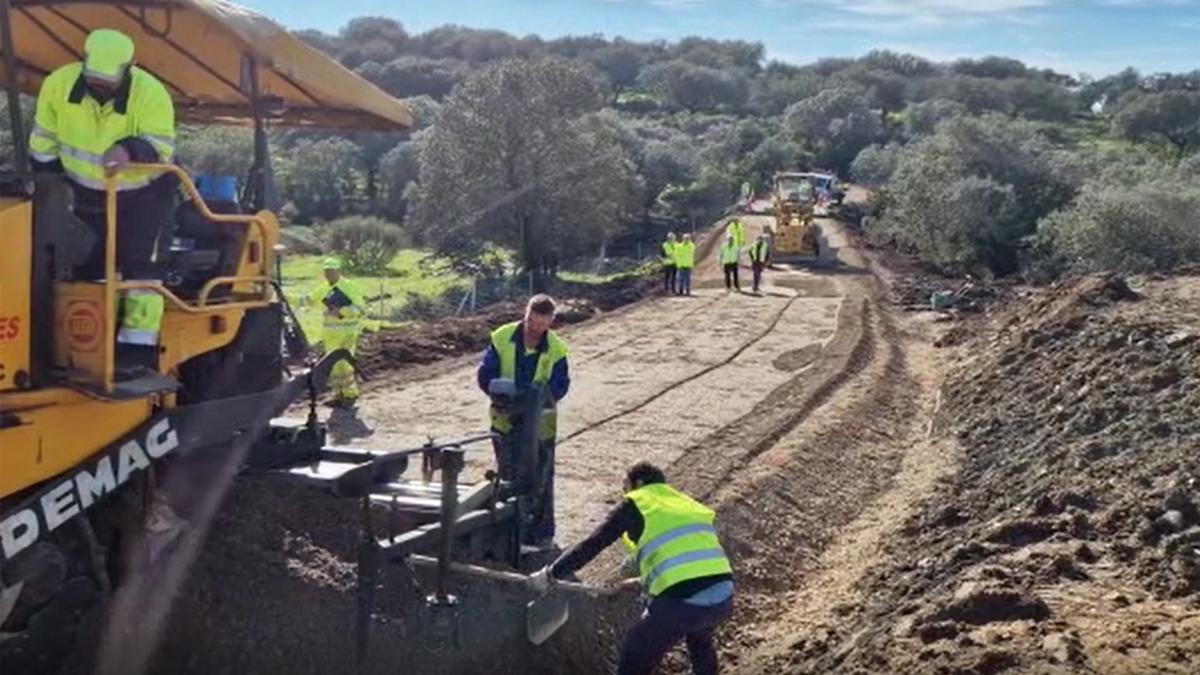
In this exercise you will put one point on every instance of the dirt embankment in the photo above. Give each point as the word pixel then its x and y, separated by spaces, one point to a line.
pixel 1069 539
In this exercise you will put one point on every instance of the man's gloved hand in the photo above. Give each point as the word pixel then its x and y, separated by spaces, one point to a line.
pixel 502 404
pixel 541 580
pixel 115 159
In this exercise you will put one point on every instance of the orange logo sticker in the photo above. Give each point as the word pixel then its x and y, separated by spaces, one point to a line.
pixel 84 325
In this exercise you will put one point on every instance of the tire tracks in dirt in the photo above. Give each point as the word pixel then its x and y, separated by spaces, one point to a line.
pixel 810 482
pixel 641 338
pixel 681 382
pixel 710 464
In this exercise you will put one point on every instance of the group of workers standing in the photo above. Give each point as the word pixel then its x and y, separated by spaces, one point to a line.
pixel 679 257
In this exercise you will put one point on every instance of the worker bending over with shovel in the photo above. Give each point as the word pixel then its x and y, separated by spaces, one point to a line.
pixel 527 358
pixel 683 569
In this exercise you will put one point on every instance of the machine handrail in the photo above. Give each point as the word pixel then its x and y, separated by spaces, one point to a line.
pixel 112 284
pixel 202 306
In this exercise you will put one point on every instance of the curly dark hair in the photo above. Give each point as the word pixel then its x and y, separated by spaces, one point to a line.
pixel 645 473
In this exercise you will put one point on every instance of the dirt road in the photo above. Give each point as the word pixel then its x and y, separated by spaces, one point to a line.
pixel 799 414
pixel 650 382
pixel 889 506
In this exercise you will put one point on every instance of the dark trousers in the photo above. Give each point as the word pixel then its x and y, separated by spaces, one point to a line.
pixel 669 272
pixel 542 522
pixel 664 623
pixel 145 223
pixel 757 269
pixel 731 276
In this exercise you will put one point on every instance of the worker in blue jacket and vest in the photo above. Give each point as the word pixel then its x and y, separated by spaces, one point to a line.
pixel 528 355
pixel 94 117
pixel 682 568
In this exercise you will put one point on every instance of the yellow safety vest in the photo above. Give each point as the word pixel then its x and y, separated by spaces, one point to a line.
pixel 72 127
pixel 668 252
pixel 738 231
pixel 685 255
pixel 729 254
pixel 506 342
pixel 758 252
pixel 348 317
pixel 678 542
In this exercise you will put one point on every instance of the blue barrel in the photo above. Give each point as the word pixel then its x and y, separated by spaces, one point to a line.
pixel 217 188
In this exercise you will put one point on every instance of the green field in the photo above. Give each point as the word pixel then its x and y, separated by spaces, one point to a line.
pixel 408 275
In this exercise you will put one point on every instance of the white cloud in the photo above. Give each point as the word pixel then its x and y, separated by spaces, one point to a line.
pixel 677 4
pixel 938 7
pixel 893 26
pixel 897 17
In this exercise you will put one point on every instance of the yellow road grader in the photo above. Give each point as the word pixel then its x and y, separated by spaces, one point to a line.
pixel 85 454
pixel 795 237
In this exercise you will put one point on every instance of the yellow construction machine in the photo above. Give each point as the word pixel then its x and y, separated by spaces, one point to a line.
pixel 85 455
pixel 79 446
pixel 795 237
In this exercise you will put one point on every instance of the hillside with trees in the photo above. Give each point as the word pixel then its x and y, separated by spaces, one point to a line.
pixel 552 148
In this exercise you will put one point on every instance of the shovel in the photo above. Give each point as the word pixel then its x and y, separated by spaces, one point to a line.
pixel 548 612
pixel 545 615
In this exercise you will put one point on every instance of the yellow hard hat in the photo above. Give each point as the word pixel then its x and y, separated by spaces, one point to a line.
pixel 106 54
pixel 331 263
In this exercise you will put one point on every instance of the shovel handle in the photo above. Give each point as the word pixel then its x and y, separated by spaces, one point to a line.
pixel 515 578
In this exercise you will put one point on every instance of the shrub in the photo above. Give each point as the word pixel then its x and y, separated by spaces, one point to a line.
pixel 1132 228
pixel 365 244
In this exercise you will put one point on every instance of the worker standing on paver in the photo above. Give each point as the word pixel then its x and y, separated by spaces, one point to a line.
pixel 343 308
pixel 668 263
pixel 683 570
pixel 94 117
pixel 758 259
pixel 685 261
pixel 728 253
pixel 526 357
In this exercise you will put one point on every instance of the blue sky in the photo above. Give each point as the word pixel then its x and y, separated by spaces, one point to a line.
pixel 1098 37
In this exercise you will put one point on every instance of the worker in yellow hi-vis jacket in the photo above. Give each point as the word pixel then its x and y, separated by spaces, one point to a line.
pixel 344 308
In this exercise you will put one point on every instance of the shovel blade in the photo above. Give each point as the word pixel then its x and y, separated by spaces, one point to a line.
pixel 544 616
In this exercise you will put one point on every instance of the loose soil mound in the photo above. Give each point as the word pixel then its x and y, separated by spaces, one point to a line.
pixel 1069 540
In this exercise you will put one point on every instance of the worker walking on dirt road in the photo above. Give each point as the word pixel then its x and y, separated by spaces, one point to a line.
pixel 685 261
pixel 343 308
pixel 668 262
pixel 683 570
pixel 528 356
pixel 758 259
pixel 728 253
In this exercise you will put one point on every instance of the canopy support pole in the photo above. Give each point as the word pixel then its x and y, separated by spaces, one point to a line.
pixel 262 179
pixel 20 148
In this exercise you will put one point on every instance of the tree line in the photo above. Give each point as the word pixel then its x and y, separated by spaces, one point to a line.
pixel 549 148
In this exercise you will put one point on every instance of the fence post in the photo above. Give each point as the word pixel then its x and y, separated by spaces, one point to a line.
pixel 474 291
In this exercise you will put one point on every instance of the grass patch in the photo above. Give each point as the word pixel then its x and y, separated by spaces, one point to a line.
pixel 409 275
